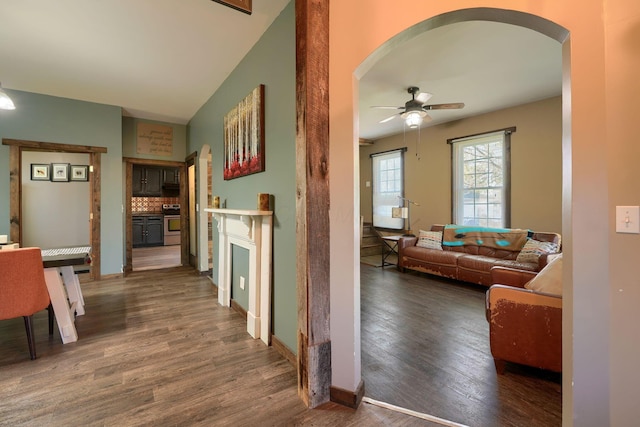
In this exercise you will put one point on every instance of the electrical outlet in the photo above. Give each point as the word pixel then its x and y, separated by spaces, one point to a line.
pixel 242 283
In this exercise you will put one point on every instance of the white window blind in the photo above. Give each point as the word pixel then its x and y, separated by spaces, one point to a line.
pixel 388 186
pixel 481 179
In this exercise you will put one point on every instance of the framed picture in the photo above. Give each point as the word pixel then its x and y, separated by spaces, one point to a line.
pixel 60 172
pixel 40 172
pixel 244 136
pixel 79 173
pixel 241 5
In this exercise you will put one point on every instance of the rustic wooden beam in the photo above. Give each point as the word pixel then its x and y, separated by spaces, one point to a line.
pixel 52 146
pixel 95 160
pixel 15 194
pixel 312 200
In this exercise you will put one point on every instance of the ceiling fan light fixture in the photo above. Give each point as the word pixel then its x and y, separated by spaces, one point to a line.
pixel 5 102
pixel 413 119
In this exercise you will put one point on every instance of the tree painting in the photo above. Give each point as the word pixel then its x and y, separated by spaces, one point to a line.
pixel 244 136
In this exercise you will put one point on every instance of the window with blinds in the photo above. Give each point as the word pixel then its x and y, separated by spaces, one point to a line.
pixel 481 179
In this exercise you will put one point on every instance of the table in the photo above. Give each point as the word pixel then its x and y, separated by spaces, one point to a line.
pixel 390 247
pixel 64 286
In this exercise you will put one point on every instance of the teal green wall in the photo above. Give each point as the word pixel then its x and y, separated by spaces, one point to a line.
pixel 240 267
pixel 129 126
pixel 65 121
pixel 270 62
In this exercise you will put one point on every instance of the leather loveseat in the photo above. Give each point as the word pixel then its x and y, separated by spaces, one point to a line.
pixel 471 260
pixel 524 311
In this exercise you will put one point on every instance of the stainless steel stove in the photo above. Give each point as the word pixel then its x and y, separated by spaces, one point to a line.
pixel 172 226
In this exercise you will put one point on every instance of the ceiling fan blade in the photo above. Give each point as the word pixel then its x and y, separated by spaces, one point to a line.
pixel 423 97
pixel 388 119
pixel 387 107
pixel 451 106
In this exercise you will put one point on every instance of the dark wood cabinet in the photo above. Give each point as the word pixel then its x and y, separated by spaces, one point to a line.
pixel 147 230
pixel 171 176
pixel 146 181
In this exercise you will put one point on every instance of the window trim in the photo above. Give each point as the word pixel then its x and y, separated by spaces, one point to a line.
pixel 507 170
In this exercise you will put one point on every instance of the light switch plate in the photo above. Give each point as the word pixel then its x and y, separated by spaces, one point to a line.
pixel 628 219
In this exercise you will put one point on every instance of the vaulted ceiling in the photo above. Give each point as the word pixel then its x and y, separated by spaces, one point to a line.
pixel 162 59
pixel 158 59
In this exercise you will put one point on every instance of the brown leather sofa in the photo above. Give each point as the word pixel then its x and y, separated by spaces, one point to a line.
pixel 525 326
pixel 469 263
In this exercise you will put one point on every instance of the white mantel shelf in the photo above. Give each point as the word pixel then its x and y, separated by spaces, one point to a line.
pixel 252 230
pixel 239 212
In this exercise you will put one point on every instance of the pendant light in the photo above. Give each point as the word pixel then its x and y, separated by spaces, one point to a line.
pixel 5 102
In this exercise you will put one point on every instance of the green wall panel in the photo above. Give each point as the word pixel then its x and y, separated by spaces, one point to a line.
pixel 270 62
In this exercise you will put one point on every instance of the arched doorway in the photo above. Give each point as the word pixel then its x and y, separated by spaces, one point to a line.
pixel 344 259
pixel 444 61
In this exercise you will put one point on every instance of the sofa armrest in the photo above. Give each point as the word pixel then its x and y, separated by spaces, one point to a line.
pixel 525 327
pixel 405 242
pixel 519 296
pixel 511 276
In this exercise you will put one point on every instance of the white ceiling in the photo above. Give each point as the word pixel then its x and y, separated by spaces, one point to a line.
pixel 162 59
pixel 158 59
pixel 486 65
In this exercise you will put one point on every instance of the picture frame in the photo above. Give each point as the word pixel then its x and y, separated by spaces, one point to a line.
pixel 59 172
pixel 241 5
pixel 40 172
pixel 244 143
pixel 79 173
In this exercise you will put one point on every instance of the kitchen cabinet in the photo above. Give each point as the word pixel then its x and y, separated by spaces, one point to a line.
pixel 146 181
pixel 147 230
pixel 171 176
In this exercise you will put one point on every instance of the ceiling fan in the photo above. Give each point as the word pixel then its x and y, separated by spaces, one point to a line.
pixel 415 110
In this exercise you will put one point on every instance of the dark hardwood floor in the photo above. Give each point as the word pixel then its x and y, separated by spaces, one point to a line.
pixel 425 347
pixel 155 349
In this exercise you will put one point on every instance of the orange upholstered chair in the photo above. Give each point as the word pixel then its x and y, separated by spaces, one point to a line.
pixel 23 290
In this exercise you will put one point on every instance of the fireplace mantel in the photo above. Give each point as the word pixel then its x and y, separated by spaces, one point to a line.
pixel 252 230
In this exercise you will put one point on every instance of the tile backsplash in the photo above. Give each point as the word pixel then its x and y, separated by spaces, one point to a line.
pixel 151 204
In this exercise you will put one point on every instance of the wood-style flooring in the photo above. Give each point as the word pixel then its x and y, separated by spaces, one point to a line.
pixel 425 347
pixel 155 257
pixel 155 349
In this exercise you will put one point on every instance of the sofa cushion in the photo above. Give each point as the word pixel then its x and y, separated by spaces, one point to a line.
pixel 476 262
pixel 430 240
pixel 433 256
pixel 549 280
pixel 512 263
pixel 533 249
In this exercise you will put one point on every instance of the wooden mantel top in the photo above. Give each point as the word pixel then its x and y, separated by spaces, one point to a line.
pixel 239 212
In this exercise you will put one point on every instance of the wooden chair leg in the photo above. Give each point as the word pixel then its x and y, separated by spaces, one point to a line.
pixel 32 342
pixel 51 316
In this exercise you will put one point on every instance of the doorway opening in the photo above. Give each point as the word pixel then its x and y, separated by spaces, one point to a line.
pixel 156 234
pixel 16 149
pixel 399 348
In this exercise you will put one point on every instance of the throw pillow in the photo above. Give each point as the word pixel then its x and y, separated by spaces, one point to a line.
pixel 532 250
pixel 549 280
pixel 430 239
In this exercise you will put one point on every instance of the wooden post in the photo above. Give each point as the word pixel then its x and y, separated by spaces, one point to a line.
pixel 312 200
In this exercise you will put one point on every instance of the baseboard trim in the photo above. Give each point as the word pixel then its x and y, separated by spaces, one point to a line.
pixel 284 351
pixel 237 307
pixel 350 399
